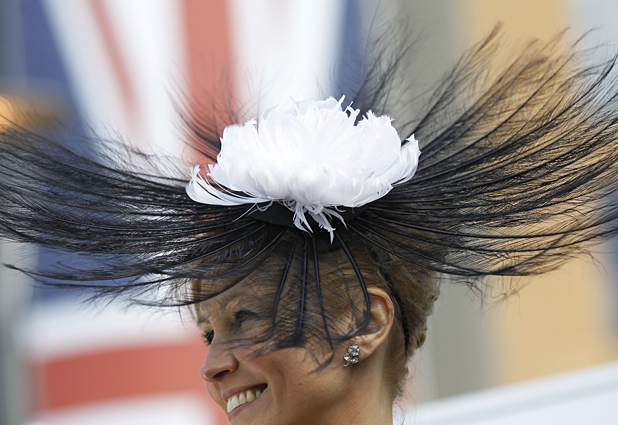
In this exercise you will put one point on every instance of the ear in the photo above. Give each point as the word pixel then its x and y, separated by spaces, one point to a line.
pixel 381 316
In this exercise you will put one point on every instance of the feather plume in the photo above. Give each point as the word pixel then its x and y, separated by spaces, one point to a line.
pixel 518 174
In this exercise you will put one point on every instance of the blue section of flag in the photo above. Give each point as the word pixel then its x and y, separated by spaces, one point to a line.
pixel 350 67
pixel 41 53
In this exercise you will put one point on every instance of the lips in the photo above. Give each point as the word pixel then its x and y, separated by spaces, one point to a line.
pixel 245 396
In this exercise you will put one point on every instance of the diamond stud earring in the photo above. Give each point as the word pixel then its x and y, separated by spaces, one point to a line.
pixel 351 356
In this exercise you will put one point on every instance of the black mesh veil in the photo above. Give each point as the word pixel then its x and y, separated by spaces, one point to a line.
pixel 517 175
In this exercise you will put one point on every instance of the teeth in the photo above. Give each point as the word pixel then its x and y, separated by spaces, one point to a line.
pixel 232 403
pixel 242 398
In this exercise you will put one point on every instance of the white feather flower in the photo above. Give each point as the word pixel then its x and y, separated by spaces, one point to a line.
pixel 311 157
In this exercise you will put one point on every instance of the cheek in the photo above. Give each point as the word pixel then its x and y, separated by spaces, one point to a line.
pixel 295 380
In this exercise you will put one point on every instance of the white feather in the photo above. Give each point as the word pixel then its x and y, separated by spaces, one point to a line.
pixel 311 157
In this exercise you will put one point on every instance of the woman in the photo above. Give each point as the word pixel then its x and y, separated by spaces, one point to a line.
pixel 311 251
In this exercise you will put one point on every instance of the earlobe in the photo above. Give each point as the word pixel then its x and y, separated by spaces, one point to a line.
pixel 381 318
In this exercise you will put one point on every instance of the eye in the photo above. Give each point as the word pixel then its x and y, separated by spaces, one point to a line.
pixel 208 336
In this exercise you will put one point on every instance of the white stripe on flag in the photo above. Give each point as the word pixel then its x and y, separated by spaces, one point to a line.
pixel 285 48
pixel 179 409
pixel 64 328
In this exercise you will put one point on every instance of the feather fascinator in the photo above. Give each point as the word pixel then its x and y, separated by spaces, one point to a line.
pixel 516 174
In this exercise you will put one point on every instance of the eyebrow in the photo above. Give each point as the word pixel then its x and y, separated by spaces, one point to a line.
pixel 226 301
pixel 238 300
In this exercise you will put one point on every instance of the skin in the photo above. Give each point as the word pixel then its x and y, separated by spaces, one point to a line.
pixel 295 393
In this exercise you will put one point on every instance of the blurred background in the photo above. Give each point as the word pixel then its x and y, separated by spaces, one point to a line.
pixel 116 67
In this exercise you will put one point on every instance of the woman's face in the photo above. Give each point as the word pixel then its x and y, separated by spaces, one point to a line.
pixel 281 387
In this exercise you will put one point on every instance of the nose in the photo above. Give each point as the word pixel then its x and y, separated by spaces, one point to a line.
pixel 220 361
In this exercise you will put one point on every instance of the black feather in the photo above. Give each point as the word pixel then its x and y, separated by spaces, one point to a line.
pixel 517 175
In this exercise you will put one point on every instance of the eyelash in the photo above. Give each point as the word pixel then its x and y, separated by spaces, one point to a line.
pixel 240 317
pixel 208 337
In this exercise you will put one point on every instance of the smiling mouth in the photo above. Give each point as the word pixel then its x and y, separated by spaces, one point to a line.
pixel 244 397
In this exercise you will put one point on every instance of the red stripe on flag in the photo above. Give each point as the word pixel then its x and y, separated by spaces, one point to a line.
pixel 208 44
pixel 120 373
pixel 210 96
